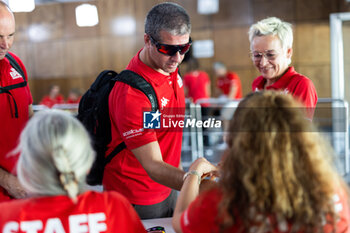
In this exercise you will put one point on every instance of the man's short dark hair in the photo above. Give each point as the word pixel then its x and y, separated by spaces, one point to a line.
pixel 169 17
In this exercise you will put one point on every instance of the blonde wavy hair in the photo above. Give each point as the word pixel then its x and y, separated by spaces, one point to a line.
pixel 277 165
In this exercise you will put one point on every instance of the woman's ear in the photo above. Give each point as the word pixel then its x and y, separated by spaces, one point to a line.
pixel 289 53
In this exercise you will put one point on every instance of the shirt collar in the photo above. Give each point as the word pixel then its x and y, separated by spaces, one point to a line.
pixel 281 82
pixel 147 72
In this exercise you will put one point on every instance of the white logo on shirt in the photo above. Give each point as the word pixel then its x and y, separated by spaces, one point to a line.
pixel 14 74
pixel 132 133
pixel 179 81
pixel 164 101
pixel 95 222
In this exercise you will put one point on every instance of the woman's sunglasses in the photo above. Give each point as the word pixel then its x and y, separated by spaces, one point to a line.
pixel 171 50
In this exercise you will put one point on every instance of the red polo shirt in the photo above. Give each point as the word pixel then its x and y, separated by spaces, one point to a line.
pixel 225 83
pixel 202 216
pixel 11 126
pixel 93 212
pixel 126 106
pixel 47 101
pixel 197 82
pixel 291 82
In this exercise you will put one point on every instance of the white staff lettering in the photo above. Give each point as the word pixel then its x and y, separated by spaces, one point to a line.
pixel 79 223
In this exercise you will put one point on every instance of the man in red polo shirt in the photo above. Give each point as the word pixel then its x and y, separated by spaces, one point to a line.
pixel 228 83
pixel 196 82
pixel 54 97
pixel 15 108
pixel 148 169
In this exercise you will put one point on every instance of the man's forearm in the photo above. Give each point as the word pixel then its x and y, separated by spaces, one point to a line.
pixel 150 157
pixel 4 176
pixel 11 184
pixel 166 175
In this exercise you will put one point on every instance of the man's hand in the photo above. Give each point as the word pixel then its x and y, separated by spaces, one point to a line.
pixel 204 168
pixel 30 111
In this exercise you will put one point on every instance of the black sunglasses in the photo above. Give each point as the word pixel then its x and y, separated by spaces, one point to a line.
pixel 171 50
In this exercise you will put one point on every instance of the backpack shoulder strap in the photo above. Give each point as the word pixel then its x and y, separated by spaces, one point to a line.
pixel 136 81
pixel 100 81
pixel 7 89
pixel 15 65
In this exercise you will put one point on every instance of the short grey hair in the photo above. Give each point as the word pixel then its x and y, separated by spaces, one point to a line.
pixel 56 154
pixel 169 17
pixel 219 65
pixel 273 26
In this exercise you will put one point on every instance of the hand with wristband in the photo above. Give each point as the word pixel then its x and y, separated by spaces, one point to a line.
pixel 192 181
pixel 201 168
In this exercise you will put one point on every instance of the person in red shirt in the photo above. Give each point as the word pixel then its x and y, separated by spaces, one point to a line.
pixel 53 98
pixel 74 96
pixel 271 51
pixel 228 83
pixel 196 82
pixel 52 168
pixel 15 107
pixel 148 169
pixel 276 175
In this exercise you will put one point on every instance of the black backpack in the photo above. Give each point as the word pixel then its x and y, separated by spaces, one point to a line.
pixel 7 89
pixel 93 112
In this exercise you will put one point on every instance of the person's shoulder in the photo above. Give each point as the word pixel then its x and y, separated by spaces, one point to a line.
pixel 20 63
pixel 14 55
pixel 196 216
pixel 13 203
pixel 45 98
pixel 296 76
pixel 123 89
pixel 16 58
pixel 214 192
pixel 301 79
pixel 210 197
pixel 59 99
pixel 299 76
pixel 11 209
pixel 233 75
pixel 188 75
pixel 203 73
pixel 195 73
pixel 257 81
pixel 106 196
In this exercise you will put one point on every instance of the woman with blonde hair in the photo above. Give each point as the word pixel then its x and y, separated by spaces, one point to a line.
pixel 277 176
pixel 56 155
pixel 271 50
